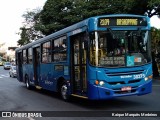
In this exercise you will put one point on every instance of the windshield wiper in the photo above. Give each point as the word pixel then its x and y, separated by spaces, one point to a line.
pixel 110 30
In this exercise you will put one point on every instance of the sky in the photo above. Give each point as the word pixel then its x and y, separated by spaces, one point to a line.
pixel 11 19
pixel 155 22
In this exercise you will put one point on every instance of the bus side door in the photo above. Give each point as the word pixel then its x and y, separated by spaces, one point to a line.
pixel 36 63
pixel 78 64
pixel 19 67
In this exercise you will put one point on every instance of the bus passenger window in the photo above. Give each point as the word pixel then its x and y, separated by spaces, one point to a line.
pixel 46 52
pixel 30 55
pixel 60 49
pixel 24 56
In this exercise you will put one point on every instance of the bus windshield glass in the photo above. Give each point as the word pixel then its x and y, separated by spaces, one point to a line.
pixel 120 48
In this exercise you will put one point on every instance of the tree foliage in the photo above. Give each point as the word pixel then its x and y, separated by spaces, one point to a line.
pixel 24 37
pixel 155 33
pixel 28 32
pixel 57 14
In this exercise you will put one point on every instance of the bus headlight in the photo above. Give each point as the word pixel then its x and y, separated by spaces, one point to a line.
pixel 101 83
pixel 146 78
pixel 149 77
pixel 97 82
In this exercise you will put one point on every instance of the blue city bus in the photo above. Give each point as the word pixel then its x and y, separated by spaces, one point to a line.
pixel 99 58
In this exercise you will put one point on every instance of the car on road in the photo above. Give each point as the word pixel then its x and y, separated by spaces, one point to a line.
pixel 13 72
pixel 7 65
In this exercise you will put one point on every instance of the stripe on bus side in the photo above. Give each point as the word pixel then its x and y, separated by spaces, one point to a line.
pixel 79 96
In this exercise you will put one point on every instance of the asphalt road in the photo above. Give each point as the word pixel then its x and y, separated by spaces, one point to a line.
pixel 15 97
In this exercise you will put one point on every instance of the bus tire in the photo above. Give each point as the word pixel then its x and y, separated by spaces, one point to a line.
pixel 63 92
pixel 28 86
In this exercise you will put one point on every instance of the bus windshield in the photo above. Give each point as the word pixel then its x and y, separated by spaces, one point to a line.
pixel 119 48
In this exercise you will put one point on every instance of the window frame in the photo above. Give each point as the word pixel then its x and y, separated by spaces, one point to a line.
pixel 46 54
pixel 24 58
pixel 30 55
pixel 59 49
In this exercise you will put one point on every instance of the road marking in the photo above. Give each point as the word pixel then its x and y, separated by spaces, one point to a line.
pixel 30 118
pixel 3 76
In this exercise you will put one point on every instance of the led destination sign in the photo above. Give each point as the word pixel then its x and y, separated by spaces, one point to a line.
pixel 125 21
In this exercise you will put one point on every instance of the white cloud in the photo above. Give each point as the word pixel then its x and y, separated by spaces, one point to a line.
pixel 11 12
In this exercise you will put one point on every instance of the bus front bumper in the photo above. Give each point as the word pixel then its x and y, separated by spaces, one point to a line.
pixel 106 93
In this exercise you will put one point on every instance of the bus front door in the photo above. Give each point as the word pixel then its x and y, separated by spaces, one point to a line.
pixel 36 54
pixel 78 64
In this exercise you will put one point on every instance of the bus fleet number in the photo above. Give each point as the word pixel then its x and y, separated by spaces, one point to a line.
pixel 139 76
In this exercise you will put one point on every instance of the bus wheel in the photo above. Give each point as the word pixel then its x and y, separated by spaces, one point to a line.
pixel 63 92
pixel 27 82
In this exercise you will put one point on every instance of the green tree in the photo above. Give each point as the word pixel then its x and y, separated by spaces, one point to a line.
pixel 155 44
pixel 28 32
pixel 24 37
pixel 155 33
pixel 153 7
pixel 57 14
pixel 52 16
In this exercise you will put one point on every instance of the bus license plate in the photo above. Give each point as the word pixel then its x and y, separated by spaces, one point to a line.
pixel 126 88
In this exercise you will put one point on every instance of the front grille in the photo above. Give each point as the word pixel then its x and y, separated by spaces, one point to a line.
pixel 123 82
pixel 128 79
pixel 116 83
pixel 124 73
pixel 134 81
